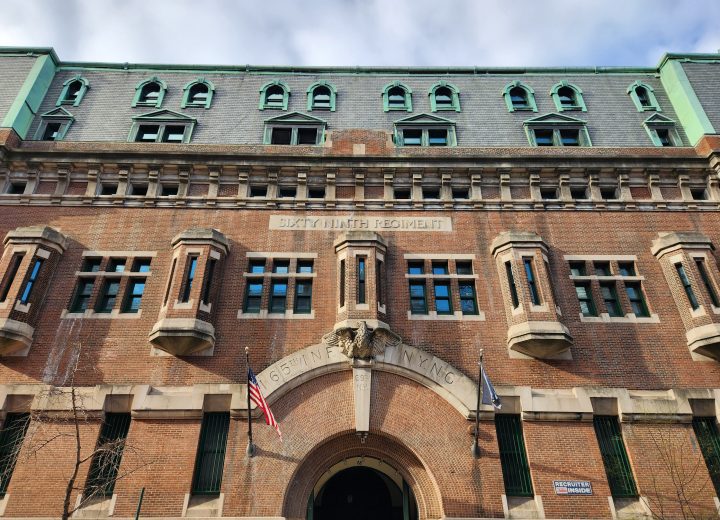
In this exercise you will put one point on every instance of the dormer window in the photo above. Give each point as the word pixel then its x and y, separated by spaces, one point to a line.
pixel 643 97
pixel 162 126
pixel 73 91
pixel 198 93
pixel 568 97
pixel 425 130
pixel 149 93
pixel 662 131
pixel 397 96
pixel 321 96
pixel 275 96
pixel 54 125
pixel 519 97
pixel 52 130
pixel 444 96
pixel 294 129
pixel 557 130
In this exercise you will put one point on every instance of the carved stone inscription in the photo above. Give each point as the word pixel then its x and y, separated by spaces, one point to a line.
pixel 361 389
pixel 349 223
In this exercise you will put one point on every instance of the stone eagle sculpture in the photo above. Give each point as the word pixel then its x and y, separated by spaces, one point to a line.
pixel 361 343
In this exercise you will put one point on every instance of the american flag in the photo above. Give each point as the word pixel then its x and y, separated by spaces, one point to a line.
pixel 257 398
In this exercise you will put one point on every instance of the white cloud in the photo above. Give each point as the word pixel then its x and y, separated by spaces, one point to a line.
pixel 365 32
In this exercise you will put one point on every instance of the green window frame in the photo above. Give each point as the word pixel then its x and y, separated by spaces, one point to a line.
pixel 468 298
pixel 274 95
pixel 210 458
pixel 611 299
pixel 54 125
pixel 513 456
pixel 11 438
pixel 511 284
pixel 615 458
pixel 511 101
pixel 567 97
pixel 706 432
pixel 687 286
pixel 303 297
pixel 662 131
pixel 314 102
pixel 558 136
pixel 447 100
pixel 144 95
pixel 105 463
pixel 162 126
pixel 707 282
pixel 637 299
pixel 192 94
pixel 109 295
pixel 278 296
pixel 418 297
pixel 73 91
pixel 389 98
pixel 585 298
pixel 643 97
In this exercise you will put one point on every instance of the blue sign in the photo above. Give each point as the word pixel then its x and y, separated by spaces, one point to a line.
pixel 572 487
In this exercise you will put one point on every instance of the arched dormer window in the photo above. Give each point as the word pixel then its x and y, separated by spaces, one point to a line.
pixel 397 96
pixel 198 93
pixel 321 96
pixel 444 96
pixel 519 96
pixel 568 97
pixel 149 93
pixel 274 95
pixel 643 96
pixel 73 91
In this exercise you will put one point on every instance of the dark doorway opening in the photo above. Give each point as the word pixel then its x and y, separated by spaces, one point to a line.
pixel 362 493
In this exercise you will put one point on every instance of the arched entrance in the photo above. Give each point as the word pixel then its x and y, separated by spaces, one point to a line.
pixel 362 489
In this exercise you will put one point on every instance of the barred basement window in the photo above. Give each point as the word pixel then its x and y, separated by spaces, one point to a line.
pixel 192 261
pixel 511 284
pixel 210 460
pixel 278 296
pixel 11 438
pixel 108 455
pixel 706 432
pixel 31 281
pixel 10 275
pixel 531 281
pixel 513 458
pixel 709 287
pixel 108 296
pixel 685 281
pixel 615 459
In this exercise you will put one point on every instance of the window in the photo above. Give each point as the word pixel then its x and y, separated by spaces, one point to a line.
pixel 167 133
pixel 548 193
pixel 303 297
pixel 207 283
pixel 342 283
pixel 608 192
pixel 643 97
pixel 108 296
pixel 258 191
pixel 577 269
pixel 83 292
pixel 281 266
pixel 685 281
pixel 443 298
pixel 464 267
pixel 379 277
pixel 287 192
pixel 138 189
pixel 10 274
pixel 519 97
pixel 108 455
pixel 108 189
pixel 73 91
pixel 401 193
pixel 361 278
pixel 133 296
pixel 460 193
pixel 440 267
pixel 416 267
pixel 531 281
pixel 468 298
pixel 16 188
pixel 52 130
pixel 662 130
pixel 397 96
pixel 602 268
pixel 304 266
pixel 31 281
pixel 298 135
pixel 425 136
pixel 578 193
pixel 584 294
pixel 610 297
pixel 316 192
pixel 444 96
pixel 257 266
pixel 321 96
pixel 11 438
pixel 149 93
pixel 559 137
pixel 513 458
pixel 706 432
pixel 418 299
pixel 511 284
pixel 567 97
pixel 253 296
pixel 637 300
pixel 698 194
pixel 615 459
pixel 54 125
pixel 278 296
pixel 192 261
pixel 292 276
pixel 210 459
pixel 116 265
pixel 198 93
pixel 170 280
pixel 626 268
pixel 274 96
pixel 704 275
pixel 168 190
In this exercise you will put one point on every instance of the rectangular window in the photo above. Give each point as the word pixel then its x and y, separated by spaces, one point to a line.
pixel 584 294
pixel 513 458
pixel 304 266
pixel 207 283
pixel 11 439
pixel 443 300
pixel 463 268
pixel 91 264
pixel 401 193
pixel 281 136
pixel 173 134
pixel 258 191
pixel 361 286
pixel 418 299
pixel 615 459
pixel 253 296
pixel 602 268
pixel 256 266
pixel 147 133
pixel 610 297
pixel 168 190
pixel 16 188
pixel 141 265
pixel 107 189
pixel 108 296
pixel 170 280
pixel 287 192
pixel 116 265
pixel 379 282
pixel 52 130
pixel 307 135
pixel 460 193
pixel 430 192
pixel 511 283
pixel 440 268
pixel 108 455
pixel 342 283
pixel 83 292
pixel 627 268
pixel 468 298
pixel 303 297
pixel 316 192
pixel 437 137
pixel 709 287
pixel 210 458
pixel 706 432
pixel 31 281
pixel 416 267
pixel 543 137
pixel 577 269
pixel 189 277
pixel 531 281
pixel 570 137
pixel 608 192
pixel 412 137
pixel 663 135
pixel 281 266
pixel 134 294
pixel 15 262
pixel 278 296
pixel 637 299
pixel 548 193
pixel 687 286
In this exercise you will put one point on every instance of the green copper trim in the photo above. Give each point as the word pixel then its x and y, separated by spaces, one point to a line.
pixel 529 95
pixel 138 91
pixel 56 115
pixel 186 93
pixel 454 93
pixel 263 92
pixel 579 101
pixel 311 95
pixel 632 90
pixel 62 99
pixel 407 106
pixel 27 102
pixel 685 102
pixel 656 121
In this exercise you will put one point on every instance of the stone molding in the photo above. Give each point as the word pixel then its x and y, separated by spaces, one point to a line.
pixel 202 236
pixel 15 337
pixel 669 242
pixel 182 336
pixel 42 235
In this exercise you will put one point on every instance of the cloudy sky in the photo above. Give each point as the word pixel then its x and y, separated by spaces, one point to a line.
pixel 365 32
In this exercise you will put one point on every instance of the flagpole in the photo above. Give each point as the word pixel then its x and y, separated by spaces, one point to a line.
pixel 475 447
pixel 250 447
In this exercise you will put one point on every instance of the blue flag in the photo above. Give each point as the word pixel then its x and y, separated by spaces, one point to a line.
pixel 489 394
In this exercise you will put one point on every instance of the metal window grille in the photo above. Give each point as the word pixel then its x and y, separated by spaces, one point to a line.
pixel 108 455
pixel 706 431
pixel 211 453
pixel 617 465
pixel 11 438
pixel 513 458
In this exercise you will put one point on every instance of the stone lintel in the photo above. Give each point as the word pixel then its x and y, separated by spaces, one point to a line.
pixel 41 235
pixel 359 238
pixel 508 239
pixel 182 336
pixel 667 242
pixel 539 339
pixel 705 340
pixel 202 236
pixel 15 337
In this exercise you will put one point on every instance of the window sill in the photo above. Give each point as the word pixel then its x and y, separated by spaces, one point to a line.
pixel 265 315
pixel 456 316
pixel 92 315
pixel 628 318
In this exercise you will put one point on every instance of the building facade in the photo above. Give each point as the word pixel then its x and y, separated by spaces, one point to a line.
pixel 367 235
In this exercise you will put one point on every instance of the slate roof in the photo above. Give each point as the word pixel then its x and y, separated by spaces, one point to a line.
pixel 12 75
pixel 705 80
